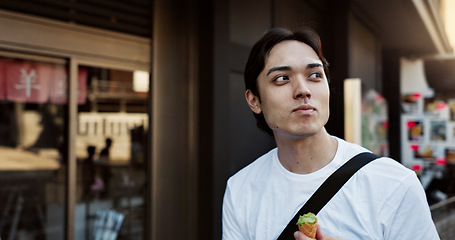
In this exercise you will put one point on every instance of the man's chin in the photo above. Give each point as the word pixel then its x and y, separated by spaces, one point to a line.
pixel 299 133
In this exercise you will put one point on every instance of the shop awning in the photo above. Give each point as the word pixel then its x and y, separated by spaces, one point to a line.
pixel 413 27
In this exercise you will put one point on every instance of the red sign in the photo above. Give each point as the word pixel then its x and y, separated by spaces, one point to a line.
pixel 417 167
pixel 28 81
pixel 417 95
pixel 411 124
pixel 2 79
pixel 82 85
pixel 441 161
pixel 36 82
pixel 59 85
pixel 414 146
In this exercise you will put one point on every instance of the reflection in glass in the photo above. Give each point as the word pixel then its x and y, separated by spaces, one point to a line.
pixel 32 149
pixel 110 146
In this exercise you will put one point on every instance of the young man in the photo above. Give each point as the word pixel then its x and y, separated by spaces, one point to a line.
pixel 288 91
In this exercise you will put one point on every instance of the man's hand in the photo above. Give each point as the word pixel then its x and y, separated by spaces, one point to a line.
pixel 319 236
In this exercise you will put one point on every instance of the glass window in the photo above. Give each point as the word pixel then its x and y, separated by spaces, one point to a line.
pixel 32 148
pixel 110 149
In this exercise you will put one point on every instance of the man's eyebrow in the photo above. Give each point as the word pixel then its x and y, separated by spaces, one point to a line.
pixel 314 65
pixel 279 68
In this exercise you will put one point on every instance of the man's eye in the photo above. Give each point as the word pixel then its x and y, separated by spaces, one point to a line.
pixel 281 79
pixel 316 75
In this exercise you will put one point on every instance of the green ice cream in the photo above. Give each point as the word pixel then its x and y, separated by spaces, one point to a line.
pixel 309 218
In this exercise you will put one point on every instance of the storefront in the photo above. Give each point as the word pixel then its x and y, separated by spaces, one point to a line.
pixel 74 119
pixel 428 123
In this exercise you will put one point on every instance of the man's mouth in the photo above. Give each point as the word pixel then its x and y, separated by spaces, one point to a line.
pixel 306 108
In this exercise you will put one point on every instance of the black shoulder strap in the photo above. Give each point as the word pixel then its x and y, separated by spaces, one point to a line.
pixel 327 190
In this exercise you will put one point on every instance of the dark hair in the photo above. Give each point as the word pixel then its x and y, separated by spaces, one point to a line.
pixel 260 51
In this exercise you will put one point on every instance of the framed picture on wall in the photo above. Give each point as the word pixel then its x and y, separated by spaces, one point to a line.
pixel 437 130
pixel 436 107
pixel 415 129
pixel 412 103
pixel 425 151
pixel 412 137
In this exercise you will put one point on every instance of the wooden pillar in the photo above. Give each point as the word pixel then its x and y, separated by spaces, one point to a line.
pixel 174 122
pixel 391 92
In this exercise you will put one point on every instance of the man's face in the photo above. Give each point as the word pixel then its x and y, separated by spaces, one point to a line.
pixel 294 91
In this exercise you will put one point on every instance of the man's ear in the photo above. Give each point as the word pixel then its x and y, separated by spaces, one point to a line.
pixel 253 102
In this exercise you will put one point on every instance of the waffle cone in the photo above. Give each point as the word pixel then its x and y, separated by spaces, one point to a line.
pixel 309 229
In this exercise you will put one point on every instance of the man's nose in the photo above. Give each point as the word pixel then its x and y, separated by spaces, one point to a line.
pixel 301 90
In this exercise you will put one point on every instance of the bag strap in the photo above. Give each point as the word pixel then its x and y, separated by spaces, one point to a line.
pixel 327 190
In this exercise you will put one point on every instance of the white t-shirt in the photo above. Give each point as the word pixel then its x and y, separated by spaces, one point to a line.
pixel 383 200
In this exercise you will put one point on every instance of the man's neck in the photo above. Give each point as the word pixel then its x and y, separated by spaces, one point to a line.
pixel 307 154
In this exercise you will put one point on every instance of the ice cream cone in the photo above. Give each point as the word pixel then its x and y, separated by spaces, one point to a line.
pixel 309 230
